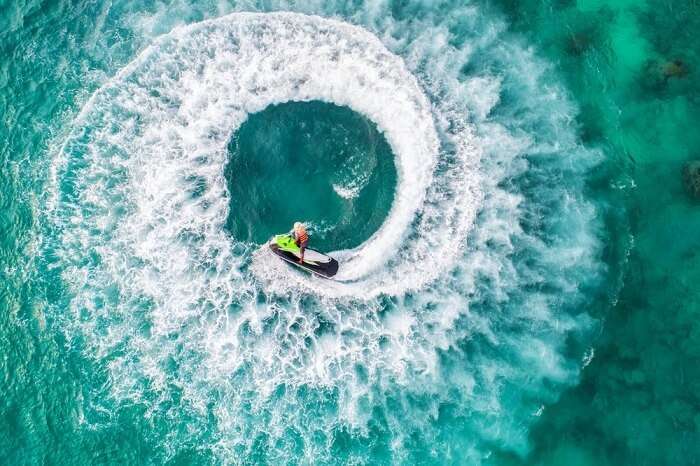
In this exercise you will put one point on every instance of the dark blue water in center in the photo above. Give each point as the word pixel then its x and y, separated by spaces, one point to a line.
pixel 313 162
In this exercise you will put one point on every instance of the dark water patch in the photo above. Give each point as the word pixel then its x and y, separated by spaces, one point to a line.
pixel 691 178
pixel 586 31
pixel 313 162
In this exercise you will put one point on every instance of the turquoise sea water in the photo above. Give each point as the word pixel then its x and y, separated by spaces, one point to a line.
pixel 312 161
pixel 501 182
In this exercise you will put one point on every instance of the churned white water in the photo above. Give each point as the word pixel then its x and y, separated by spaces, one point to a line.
pixel 462 300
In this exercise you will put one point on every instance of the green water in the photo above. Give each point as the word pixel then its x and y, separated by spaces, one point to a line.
pixel 139 324
pixel 310 161
pixel 637 402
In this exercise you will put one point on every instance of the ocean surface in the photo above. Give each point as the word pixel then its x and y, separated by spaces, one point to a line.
pixel 501 181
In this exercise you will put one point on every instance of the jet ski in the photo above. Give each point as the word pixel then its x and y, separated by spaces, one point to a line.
pixel 315 262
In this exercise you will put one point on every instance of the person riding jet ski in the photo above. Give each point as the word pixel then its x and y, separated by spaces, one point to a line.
pixel 301 238
pixel 292 247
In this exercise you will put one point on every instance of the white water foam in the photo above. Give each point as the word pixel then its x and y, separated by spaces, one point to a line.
pixel 207 78
pixel 163 294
